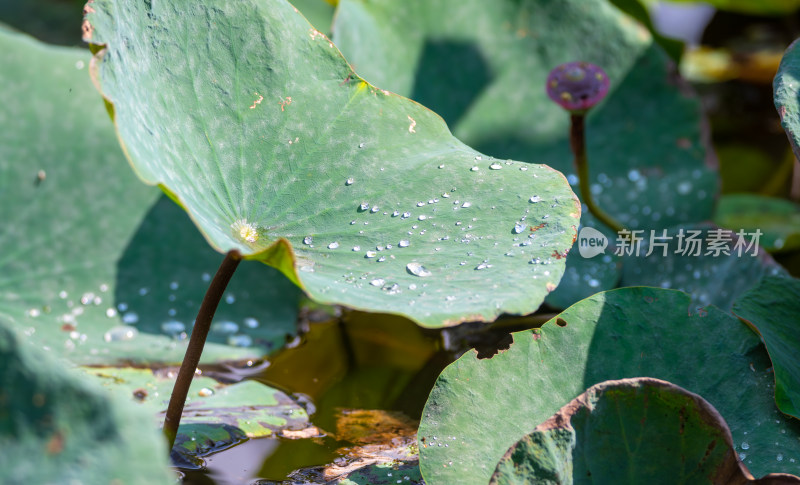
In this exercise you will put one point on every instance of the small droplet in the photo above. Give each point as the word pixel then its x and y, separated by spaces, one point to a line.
pixel 356 248
pixel 474 169
pixel 130 318
pixel 225 326
pixel 120 333
pixel 364 206
pixel 173 327
pixel 684 187
pixel 519 227
pixel 382 259
pixel 205 392
pixel 534 199
pixel 495 166
pixel 370 254
pixel 230 299
pixel 350 181
pixel 111 312
pixel 333 245
pixel 308 240
pixel 422 217
pixel 361 145
pixel 404 243
pixel 417 269
pixel 745 445
pixel 206 277
pixel 395 213
pixel 174 285
pixel 250 322
pixel 483 265
pixel 377 282
pixel 420 204
pixel 406 215
pixel 240 340
pixel 466 204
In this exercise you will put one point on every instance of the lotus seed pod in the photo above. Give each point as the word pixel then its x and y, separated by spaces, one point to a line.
pixel 577 86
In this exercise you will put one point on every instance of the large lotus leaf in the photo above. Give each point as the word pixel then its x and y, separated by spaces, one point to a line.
pixel 786 88
pixel 773 310
pixel 90 256
pixel 482 66
pixel 255 123
pixel 216 416
pixel 713 265
pixel 56 427
pixel 480 407
pixel 639 430
pixel 777 219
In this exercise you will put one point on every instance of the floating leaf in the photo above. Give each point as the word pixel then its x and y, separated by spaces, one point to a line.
pixel 665 434
pixel 645 143
pixel 480 407
pixel 777 219
pixel 771 308
pixel 96 267
pixel 58 428
pixel 276 148
pixel 216 416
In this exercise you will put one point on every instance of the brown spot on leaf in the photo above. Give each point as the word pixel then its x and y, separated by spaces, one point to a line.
pixel 55 444
pixel 86 30
pixel 140 394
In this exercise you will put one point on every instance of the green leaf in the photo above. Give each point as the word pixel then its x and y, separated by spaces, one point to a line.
pixel 778 219
pixel 640 430
pixel 56 427
pixel 216 416
pixel 690 262
pixel 90 253
pixel 480 407
pixel 276 148
pixel 785 88
pixel 483 65
pixel 771 309
pixel 760 7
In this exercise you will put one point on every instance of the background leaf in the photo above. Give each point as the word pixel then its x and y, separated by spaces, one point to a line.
pixel 92 257
pixel 630 332
pixel 771 309
pixel 640 430
pixel 710 276
pixel 276 148
pixel 73 430
pixel 482 66
pixel 785 89
pixel 778 219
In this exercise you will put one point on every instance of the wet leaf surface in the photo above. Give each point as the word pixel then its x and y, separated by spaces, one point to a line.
pixel 360 196
pixel 97 267
pixel 630 332
pixel 772 308
pixel 640 430
pixel 482 66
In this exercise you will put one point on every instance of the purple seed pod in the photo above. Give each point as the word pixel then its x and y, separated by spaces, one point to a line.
pixel 577 86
